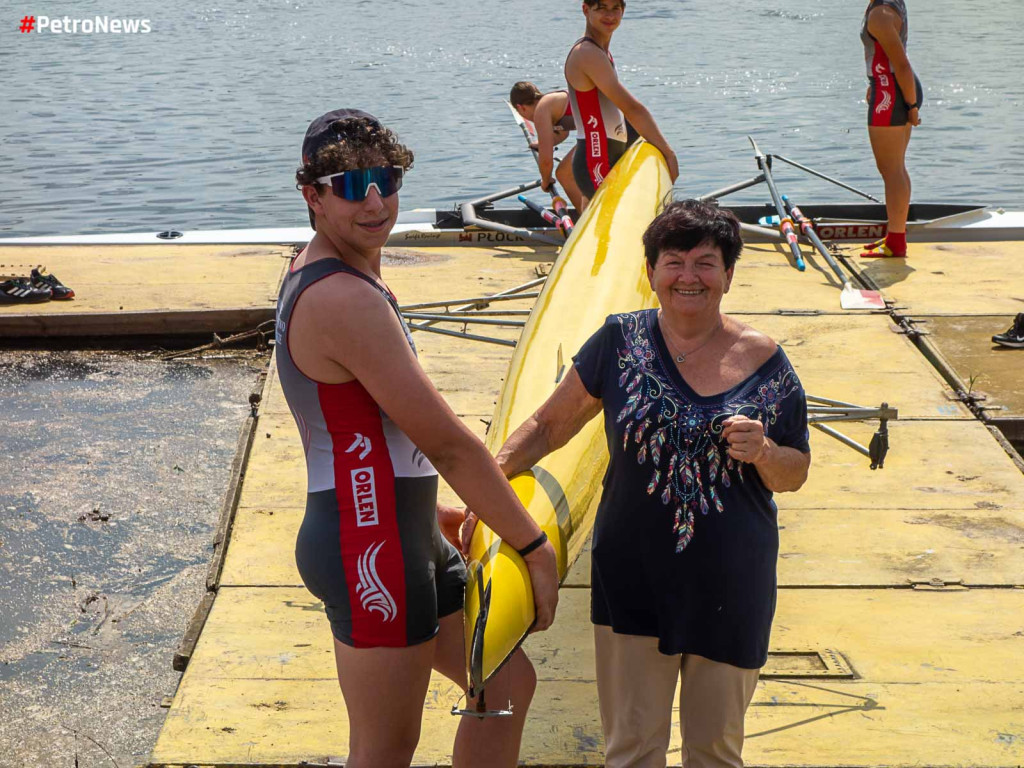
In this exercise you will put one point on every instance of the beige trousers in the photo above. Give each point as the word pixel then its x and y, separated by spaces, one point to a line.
pixel 635 684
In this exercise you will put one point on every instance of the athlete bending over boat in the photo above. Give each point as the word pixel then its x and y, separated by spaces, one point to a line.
pixel 705 419
pixel 894 101
pixel 604 110
pixel 551 115
pixel 374 428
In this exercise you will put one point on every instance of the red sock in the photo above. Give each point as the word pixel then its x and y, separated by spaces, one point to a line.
pixel 897 243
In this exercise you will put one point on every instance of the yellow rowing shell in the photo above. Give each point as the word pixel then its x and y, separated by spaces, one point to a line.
pixel 600 271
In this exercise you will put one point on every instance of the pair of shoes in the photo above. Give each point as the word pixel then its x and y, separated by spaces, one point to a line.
pixel 880 250
pixel 1014 336
pixel 42 279
pixel 20 290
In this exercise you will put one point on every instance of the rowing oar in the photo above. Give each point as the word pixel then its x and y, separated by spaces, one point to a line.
pixel 849 297
pixel 821 175
pixel 785 223
pixel 564 222
pixel 545 214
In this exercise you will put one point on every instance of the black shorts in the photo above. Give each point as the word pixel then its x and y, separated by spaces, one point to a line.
pixel 589 169
pixel 886 105
pixel 381 591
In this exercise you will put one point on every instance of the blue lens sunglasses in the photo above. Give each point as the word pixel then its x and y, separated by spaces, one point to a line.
pixel 355 185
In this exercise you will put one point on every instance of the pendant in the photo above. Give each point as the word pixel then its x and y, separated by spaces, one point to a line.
pixel 680 358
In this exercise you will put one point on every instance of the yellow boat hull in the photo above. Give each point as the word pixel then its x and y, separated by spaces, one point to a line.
pixel 600 271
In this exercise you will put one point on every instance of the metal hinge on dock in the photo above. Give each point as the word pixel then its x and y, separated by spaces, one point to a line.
pixel 906 327
pixel 817 663
pixel 938 585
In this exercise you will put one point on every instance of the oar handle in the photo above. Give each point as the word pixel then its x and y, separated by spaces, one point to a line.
pixel 785 223
pixel 808 228
pixel 547 215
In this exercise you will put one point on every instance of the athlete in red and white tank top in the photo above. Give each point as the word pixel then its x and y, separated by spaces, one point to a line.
pixel 894 100
pixel 607 115
pixel 600 126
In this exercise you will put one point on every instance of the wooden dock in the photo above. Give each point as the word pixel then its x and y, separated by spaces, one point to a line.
pixel 899 634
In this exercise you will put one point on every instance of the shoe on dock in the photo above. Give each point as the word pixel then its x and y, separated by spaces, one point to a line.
pixel 42 279
pixel 21 291
pixel 880 251
pixel 1014 336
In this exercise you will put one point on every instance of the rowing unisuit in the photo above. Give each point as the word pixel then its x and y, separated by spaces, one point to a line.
pixel 369 545
pixel 886 104
pixel 601 131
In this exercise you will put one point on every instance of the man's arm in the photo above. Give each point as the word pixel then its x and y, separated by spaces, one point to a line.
pixel 600 71
pixel 542 122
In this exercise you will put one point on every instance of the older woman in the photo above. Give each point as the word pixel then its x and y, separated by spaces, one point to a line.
pixel 894 101
pixel 705 419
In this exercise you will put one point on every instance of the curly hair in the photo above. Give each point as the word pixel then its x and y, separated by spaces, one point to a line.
pixel 362 143
pixel 686 224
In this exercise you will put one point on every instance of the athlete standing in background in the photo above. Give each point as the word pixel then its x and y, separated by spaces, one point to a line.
pixel 603 108
pixel 894 102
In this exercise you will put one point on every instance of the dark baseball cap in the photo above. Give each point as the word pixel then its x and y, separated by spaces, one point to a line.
pixel 322 131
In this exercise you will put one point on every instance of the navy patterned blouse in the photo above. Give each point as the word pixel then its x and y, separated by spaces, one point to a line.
pixel 686 538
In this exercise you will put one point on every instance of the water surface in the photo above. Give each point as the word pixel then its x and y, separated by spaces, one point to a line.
pixel 198 124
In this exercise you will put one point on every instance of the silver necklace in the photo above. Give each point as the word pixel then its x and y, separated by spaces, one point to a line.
pixel 681 357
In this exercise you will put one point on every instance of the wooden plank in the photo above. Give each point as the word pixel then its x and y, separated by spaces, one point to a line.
pixel 134 323
pixel 950 278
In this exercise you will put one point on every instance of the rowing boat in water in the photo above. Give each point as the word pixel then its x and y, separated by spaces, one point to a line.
pixel 852 223
pixel 600 268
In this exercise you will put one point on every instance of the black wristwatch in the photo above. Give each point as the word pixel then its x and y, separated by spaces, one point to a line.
pixel 915 105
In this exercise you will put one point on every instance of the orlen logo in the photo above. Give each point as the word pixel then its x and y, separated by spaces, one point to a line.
pixel 365 494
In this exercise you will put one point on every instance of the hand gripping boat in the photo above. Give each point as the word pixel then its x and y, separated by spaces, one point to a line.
pixel 599 271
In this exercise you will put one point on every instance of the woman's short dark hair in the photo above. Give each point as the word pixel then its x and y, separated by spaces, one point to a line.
pixel 592 3
pixel 686 224
pixel 363 143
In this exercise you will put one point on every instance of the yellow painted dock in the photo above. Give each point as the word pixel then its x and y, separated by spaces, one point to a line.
pixel 899 633
pixel 146 290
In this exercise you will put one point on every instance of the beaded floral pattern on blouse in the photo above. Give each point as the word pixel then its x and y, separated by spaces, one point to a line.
pixel 680 440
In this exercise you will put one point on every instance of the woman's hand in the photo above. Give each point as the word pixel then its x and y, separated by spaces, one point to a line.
pixel 746 438
pixel 450 520
pixel 914 117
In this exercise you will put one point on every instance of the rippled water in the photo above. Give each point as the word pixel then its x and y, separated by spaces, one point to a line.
pixel 198 124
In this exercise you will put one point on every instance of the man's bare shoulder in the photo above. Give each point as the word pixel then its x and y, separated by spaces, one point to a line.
pixel 346 297
pixel 883 18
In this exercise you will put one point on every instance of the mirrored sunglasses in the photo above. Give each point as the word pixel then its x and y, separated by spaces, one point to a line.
pixel 355 185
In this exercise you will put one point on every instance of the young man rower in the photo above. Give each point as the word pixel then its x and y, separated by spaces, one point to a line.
pixel 376 435
pixel 603 108
pixel 551 115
